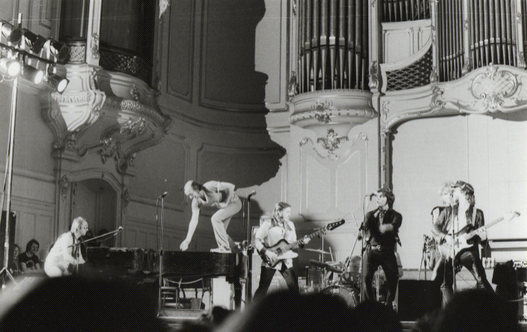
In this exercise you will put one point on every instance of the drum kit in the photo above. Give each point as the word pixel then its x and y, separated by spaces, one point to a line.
pixel 333 278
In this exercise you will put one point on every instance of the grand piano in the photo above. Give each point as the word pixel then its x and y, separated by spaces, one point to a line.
pixel 141 266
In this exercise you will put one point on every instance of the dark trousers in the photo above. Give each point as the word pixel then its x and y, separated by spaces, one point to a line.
pixel 374 258
pixel 469 258
pixel 266 276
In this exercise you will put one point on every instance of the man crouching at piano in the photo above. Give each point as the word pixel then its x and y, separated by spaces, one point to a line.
pixel 65 254
pixel 271 232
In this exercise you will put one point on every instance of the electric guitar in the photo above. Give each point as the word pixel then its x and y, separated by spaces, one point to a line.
pixel 468 239
pixel 284 249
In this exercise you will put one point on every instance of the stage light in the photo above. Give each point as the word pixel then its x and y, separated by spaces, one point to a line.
pixel 32 74
pixel 59 51
pixel 32 41
pixel 9 32
pixel 9 67
pixel 58 83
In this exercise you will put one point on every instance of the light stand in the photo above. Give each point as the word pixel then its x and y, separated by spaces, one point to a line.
pixel 12 121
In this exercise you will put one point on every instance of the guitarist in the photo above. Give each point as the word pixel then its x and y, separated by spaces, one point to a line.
pixel 460 217
pixel 382 227
pixel 65 252
pixel 270 232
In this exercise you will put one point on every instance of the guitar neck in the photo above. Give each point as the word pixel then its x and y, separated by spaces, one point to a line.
pixel 494 222
pixel 295 244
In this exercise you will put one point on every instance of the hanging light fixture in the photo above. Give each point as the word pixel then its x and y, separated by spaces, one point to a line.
pixel 33 74
pixel 57 82
pixel 9 32
pixel 55 50
pixel 32 42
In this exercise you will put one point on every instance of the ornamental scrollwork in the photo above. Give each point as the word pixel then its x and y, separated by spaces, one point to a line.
pixel 95 45
pixel 374 75
pixel 133 126
pixel 493 86
pixel 292 86
pixel 64 184
pixel 109 148
pixel 331 142
pixel 322 110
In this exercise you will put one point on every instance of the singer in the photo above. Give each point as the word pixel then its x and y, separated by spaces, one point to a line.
pixel 381 226
pixel 215 194
pixel 65 254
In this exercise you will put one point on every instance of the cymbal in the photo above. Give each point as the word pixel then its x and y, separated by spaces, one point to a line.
pixel 318 251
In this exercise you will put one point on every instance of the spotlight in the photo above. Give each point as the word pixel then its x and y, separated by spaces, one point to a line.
pixel 58 83
pixel 56 49
pixel 32 74
pixel 32 41
pixel 9 32
pixel 9 67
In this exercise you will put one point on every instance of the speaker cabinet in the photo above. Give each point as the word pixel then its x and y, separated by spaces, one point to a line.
pixel 12 222
pixel 416 298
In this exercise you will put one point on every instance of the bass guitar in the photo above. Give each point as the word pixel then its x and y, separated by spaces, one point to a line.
pixel 465 240
pixel 284 249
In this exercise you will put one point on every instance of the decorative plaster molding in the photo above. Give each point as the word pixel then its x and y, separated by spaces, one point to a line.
pixel 374 75
pixel 332 143
pixel 292 86
pixel 487 90
pixel 64 184
pixel 134 93
pixel 492 87
pixel 339 109
pixel 95 45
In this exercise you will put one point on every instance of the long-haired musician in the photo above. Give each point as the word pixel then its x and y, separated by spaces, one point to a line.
pixel 65 252
pixel 462 216
pixel 268 234
pixel 216 194
pixel 382 227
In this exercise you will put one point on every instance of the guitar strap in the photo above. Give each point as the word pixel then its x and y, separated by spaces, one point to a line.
pixel 75 251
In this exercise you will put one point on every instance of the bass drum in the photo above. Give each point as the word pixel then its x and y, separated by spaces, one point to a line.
pixel 349 295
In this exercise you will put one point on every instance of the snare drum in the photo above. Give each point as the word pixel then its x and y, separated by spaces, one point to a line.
pixel 349 295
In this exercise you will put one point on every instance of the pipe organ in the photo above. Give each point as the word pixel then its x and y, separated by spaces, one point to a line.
pixel 410 58
pixel 333 45
pixel 405 10
pixel 488 33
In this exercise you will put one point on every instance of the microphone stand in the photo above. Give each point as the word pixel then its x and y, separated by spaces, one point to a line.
pixel 115 232
pixel 80 243
pixel 160 237
pixel 363 248
pixel 250 250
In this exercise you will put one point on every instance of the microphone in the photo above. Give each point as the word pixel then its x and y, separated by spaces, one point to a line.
pixel 120 228
pixel 252 193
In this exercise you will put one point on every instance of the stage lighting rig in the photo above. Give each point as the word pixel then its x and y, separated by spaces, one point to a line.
pixel 32 56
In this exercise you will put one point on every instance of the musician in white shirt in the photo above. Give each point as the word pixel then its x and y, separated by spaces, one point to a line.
pixel 65 252
pixel 462 217
pixel 269 233
pixel 220 195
